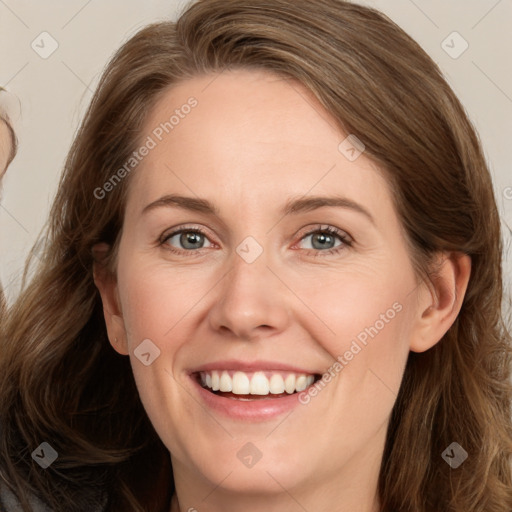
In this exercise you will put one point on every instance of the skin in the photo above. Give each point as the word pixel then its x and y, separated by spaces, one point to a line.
pixel 5 155
pixel 5 148
pixel 253 142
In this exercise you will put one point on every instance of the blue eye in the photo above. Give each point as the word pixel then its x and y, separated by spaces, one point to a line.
pixel 326 240
pixel 321 240
pixel 187 239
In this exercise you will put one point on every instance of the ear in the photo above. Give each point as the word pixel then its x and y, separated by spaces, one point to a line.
pixel 106 283
pixel 440 301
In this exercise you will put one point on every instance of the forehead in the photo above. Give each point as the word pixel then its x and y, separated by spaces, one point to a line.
pixel 247 131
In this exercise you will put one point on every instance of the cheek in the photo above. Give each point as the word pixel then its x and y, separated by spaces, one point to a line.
pixel 158 305
pixel 156 299
pixel 154 305
pixel 357 307
pixel 363 320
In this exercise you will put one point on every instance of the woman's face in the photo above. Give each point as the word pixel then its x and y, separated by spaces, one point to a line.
pixel 258 253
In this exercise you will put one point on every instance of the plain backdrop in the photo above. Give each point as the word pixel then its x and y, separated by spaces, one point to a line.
pixel 54 90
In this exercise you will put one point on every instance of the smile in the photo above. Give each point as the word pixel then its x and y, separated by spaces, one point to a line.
pixel 251 391
pixel 252 385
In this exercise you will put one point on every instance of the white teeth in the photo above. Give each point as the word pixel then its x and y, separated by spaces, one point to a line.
pixel 289 383
pixel 257 383
pixel 241 384
pixel 276 384
pixel 226 384
pixel 215 381
pixel 300 384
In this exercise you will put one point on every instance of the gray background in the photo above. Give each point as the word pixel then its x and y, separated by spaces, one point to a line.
pixel 54 91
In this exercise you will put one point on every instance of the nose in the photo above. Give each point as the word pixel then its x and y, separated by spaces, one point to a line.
pixel 250 302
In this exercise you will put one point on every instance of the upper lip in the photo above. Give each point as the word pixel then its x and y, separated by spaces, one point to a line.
pixel 253 366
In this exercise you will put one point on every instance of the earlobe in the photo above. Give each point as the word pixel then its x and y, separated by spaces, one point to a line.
pixel 106 283
pixel 117 333
pixel 441 302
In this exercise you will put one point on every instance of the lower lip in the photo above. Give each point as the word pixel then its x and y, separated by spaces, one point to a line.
pixel 249 410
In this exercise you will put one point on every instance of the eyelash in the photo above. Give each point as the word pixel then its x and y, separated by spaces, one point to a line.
pixel 330 230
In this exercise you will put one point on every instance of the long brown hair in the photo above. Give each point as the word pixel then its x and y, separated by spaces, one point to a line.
pixel 60 380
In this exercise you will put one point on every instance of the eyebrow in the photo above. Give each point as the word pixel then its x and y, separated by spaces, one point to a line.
pixel 187 203
pixel 306 204
pixel 291 207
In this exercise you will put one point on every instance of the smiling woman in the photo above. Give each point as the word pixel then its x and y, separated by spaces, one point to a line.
pixel 279 307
